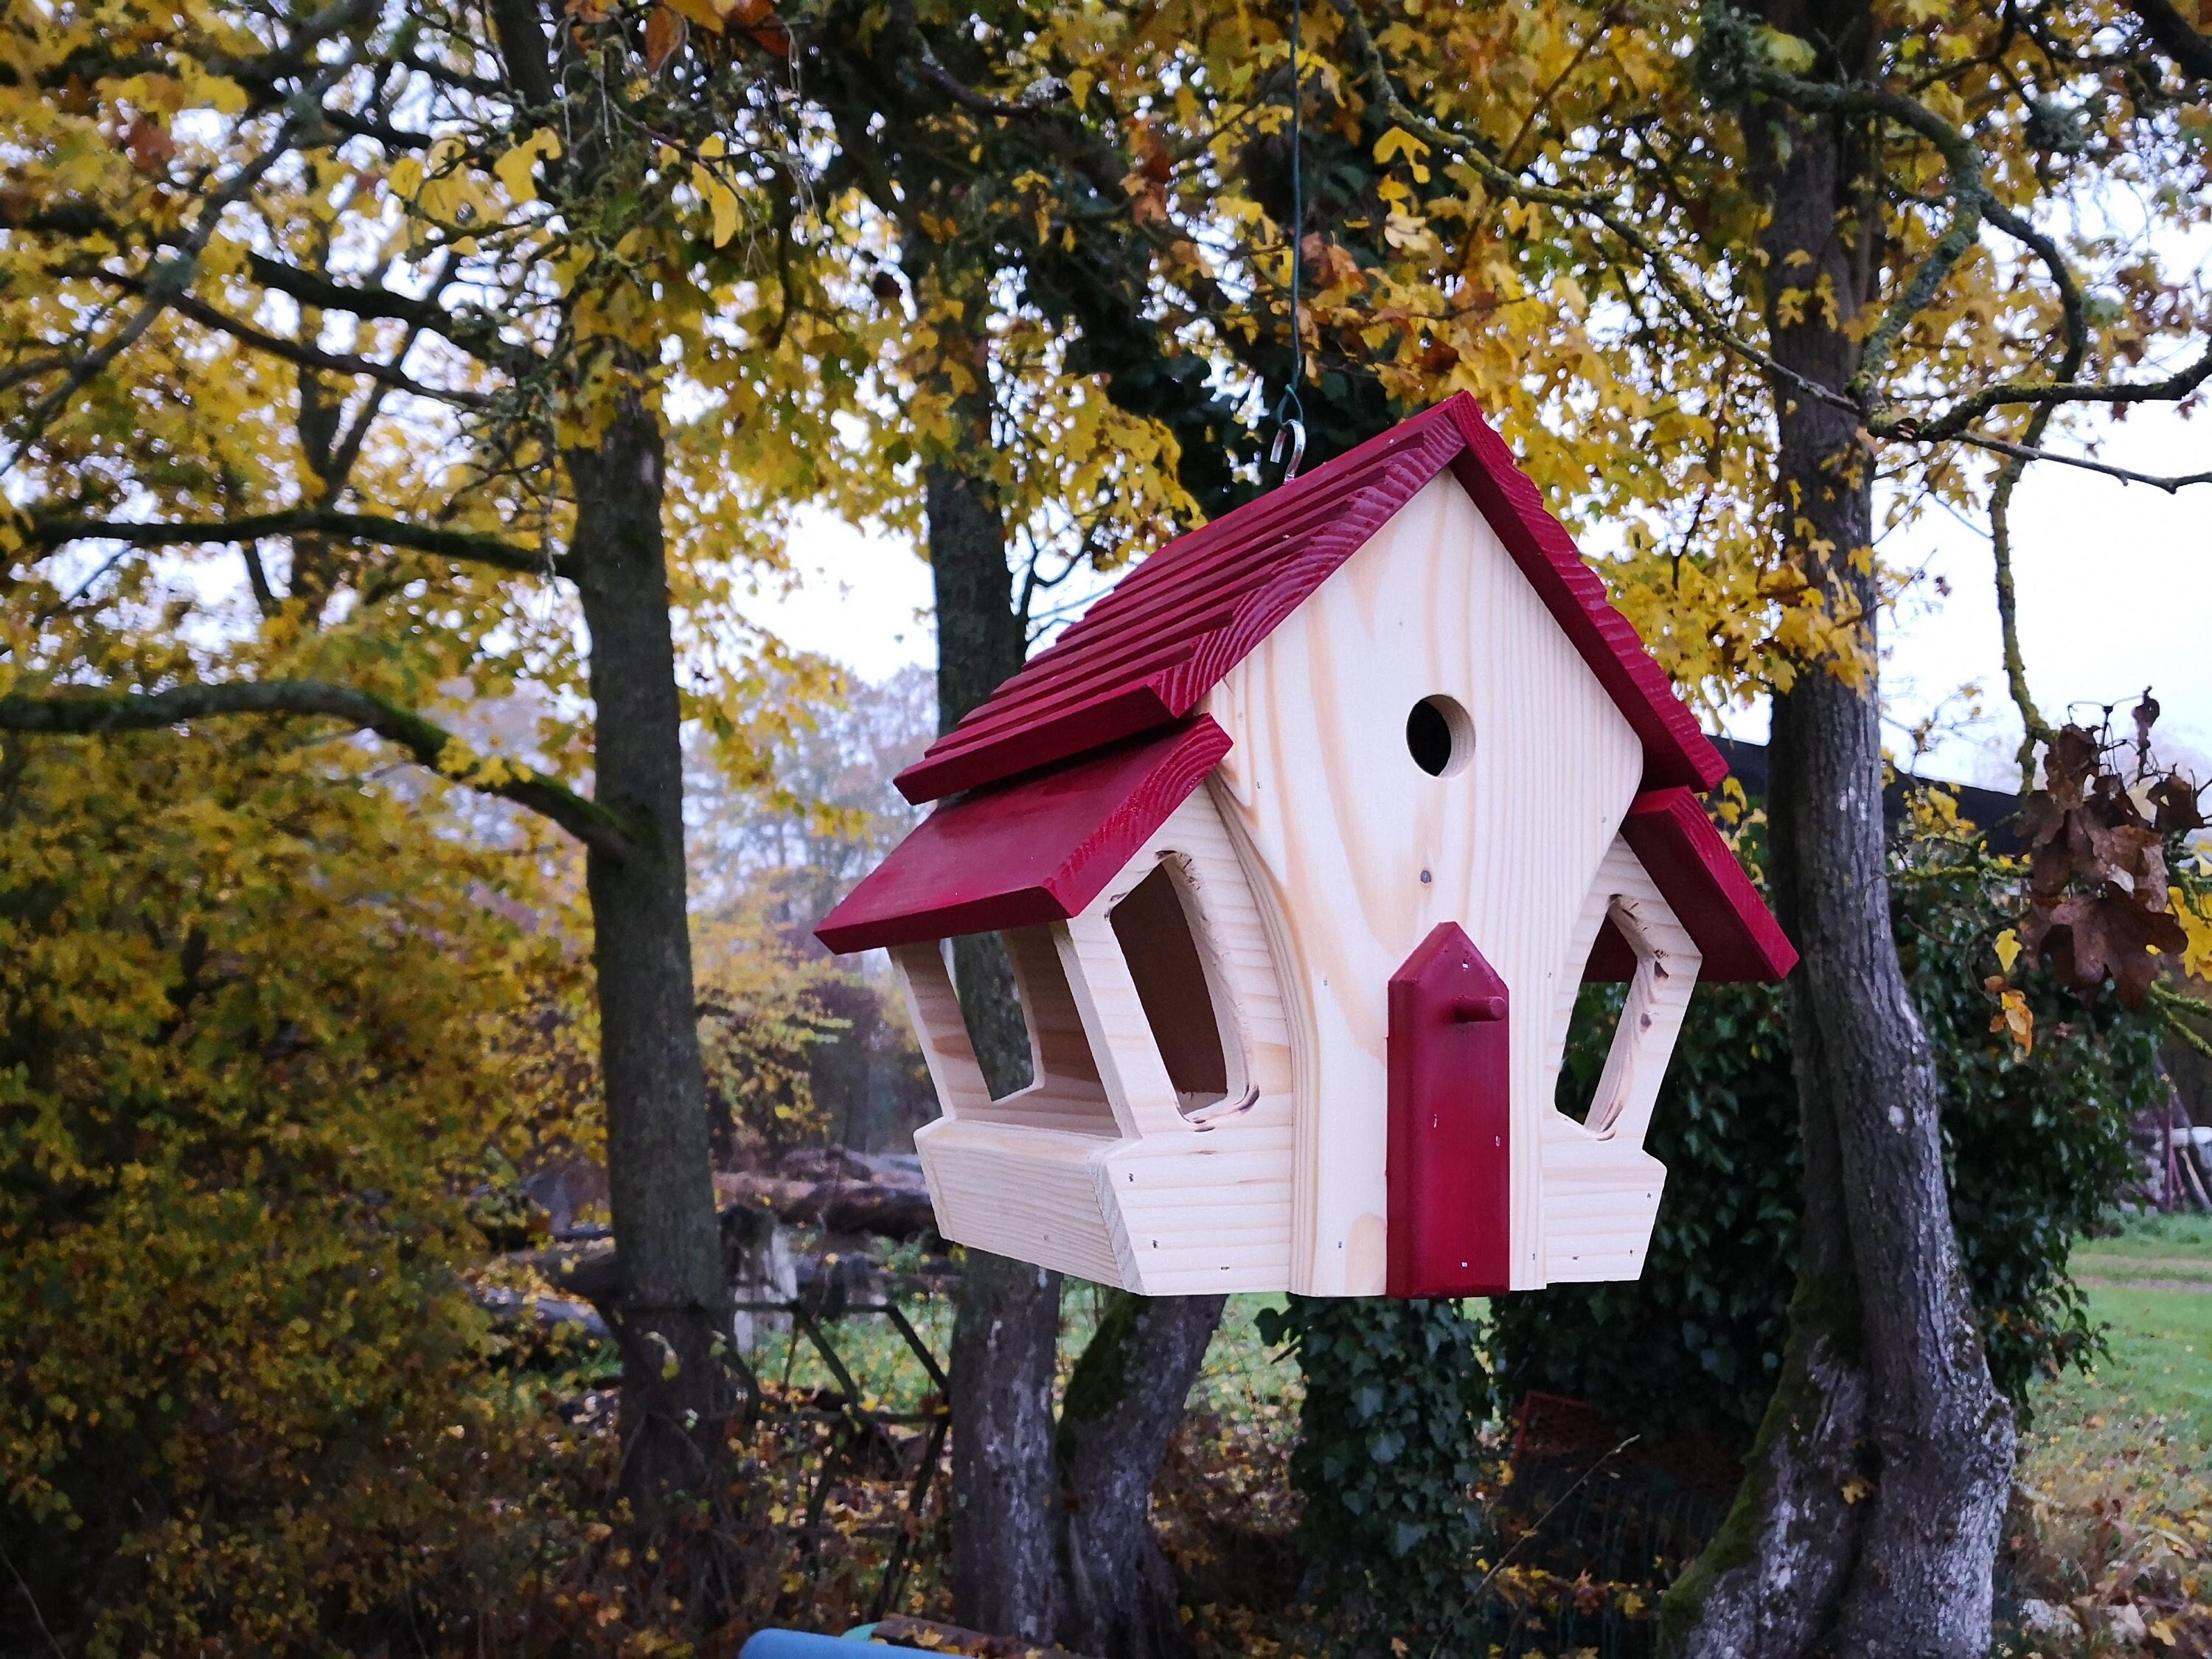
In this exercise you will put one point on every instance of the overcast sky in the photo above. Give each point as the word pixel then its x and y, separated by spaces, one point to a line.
pixel 2115 584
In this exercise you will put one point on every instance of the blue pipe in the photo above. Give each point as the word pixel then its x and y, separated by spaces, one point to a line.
pixel 800 1645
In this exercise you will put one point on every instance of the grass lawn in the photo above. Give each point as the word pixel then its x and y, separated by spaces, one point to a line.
pixel 2151 1286
pixel 2117 1467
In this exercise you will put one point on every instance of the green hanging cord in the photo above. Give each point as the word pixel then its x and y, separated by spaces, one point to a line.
pixel 1290 416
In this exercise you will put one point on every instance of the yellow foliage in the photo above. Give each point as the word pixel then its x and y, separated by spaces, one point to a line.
pixel 257 1045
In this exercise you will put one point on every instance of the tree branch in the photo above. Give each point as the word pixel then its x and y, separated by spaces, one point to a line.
pixel 1953 422
pixel 62 713
pixel 1590 203
pixel 2172 484
pixel 296 351
pixel 173 276
pixel 2188 48
pixel 467 546
pixel 1742 60
pixel 1067 138
pixel 479 337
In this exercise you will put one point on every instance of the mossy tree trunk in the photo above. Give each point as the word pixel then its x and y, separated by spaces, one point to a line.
pixel 1868 1520
pixel 1119 1593
pixel 1006 1324
pixel 1045 1539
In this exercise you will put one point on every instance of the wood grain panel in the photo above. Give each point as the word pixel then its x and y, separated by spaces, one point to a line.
pixel 934 1008
pixel 1021 1191
pixel 1600 1189
pixel 1098 1169
pixel 1339 827
pixel 1203 1199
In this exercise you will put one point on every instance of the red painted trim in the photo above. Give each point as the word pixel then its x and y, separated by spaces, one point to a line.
pixel 1450 1153
pixel 1675 751
pixel 1707 888
pixel 1035 850
pixel 1150 650
pixel 1122 712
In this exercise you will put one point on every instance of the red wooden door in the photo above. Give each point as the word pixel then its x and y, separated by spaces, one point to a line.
pixel 1451 1138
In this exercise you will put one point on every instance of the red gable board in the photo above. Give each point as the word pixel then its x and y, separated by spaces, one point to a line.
pixel 1151 649
pixel 1707 888
pixel 1025 852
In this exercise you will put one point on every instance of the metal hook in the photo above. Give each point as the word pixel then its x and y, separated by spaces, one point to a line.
pixel 1292 432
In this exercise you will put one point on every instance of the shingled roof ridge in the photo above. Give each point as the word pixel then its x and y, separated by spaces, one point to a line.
pixel 1046 713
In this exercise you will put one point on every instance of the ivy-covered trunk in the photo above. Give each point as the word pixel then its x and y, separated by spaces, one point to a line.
pixel 1867 1523
pixel 671 1319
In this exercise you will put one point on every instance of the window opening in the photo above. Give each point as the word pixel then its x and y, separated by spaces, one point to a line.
pixel 1596 1018
pixel 1153 925
pixel 990 1008
pixel 1440 737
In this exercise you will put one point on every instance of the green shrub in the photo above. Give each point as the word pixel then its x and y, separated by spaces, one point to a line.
pixel 2035 1146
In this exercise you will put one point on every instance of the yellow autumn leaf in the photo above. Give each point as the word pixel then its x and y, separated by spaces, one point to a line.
pixel 2197 954
pixel 1398 142
pixel 721 201
pixel 1787 53
pixel 2007 948
pixel 515 169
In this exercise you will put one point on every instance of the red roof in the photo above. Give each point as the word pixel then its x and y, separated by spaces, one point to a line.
pixel 1147 651
pixel 1026 853
pixel 1697 874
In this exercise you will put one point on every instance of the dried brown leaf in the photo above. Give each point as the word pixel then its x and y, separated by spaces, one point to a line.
pixel 664 38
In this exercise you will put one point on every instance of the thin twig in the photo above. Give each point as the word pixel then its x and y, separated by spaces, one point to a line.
pixel 32 1602
pixel 2172 484
pixel 1581 1479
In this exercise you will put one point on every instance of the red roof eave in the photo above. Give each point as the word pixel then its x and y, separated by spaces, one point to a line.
pixel 1035 850
pixel 1697 873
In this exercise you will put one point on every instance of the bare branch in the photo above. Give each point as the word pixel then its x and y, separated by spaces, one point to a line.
pixel 67 714
pixel 2172 484
pixel 470 546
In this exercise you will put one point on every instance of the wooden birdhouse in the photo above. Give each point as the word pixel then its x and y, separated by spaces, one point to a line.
pixel 1300 843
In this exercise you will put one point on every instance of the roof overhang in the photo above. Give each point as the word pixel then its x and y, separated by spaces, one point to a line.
pixel 1032 851
pixel 1697 874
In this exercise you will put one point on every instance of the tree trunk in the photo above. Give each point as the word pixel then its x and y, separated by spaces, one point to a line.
pixel 672 1318
pixel 1120 1598
pixel 1867 1523
pixel 1006 1329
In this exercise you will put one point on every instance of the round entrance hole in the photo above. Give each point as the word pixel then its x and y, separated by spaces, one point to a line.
pixel 1440 737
